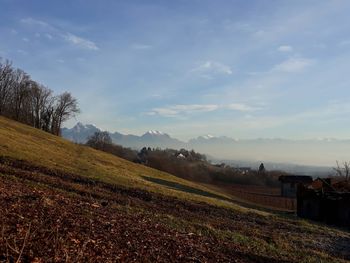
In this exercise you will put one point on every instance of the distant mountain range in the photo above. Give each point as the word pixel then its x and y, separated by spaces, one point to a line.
pixel 281 153
pixel 80 134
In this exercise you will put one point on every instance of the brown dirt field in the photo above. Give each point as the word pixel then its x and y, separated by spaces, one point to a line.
pixel 50 216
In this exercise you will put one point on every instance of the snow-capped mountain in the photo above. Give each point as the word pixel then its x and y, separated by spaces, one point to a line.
pixel 161 140
pixel 313 151
pixel 79 133
pixel 154 133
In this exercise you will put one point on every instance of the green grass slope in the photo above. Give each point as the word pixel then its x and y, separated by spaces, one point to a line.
pixel 23 142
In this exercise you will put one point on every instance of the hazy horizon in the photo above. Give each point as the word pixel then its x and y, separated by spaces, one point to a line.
pixel 74 122
pixel 302 152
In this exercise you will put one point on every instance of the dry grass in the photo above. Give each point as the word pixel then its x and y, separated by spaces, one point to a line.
pixel 46 215
pixel 52 207
pixel 40 148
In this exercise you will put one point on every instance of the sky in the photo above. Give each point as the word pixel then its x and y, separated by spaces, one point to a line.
pixel 243 69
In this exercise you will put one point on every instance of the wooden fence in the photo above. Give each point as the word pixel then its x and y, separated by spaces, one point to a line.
pixel 267 200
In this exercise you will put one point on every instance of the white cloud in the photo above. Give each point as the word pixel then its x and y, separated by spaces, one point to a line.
pixel 51 31
pixel 25 39
pixel 166 112
pixel 260 33
pixel 156 96
pixel 242 107
pixel 80 42
pixel 285 48
pixel 196 107
pixel 213 67
pixel 34 22
pixel 345 42
pixel 21 51
pixel 327 113
pixel 241 26
pixel 140 46
pixel 293 65
pixel 49 36
pixel 181 109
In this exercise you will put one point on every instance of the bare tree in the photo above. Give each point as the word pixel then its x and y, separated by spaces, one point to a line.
pixel 47 115
pixel 65 108
pixel 27 101
pixel 41 98
pixel 100 140
pixel 347 170
pixel 6 83
pixel 343 170
pixel 20 92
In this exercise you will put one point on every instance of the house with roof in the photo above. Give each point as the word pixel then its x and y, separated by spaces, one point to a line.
pixel 181 156
pixel 289 184
pixel 325 201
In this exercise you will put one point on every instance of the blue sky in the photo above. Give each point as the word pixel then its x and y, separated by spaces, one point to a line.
pixel 243 69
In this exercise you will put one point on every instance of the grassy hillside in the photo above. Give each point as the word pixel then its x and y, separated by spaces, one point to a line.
pixel 62 202
pixel 40 148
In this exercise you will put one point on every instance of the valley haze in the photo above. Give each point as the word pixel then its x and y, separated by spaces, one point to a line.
pixel 300 156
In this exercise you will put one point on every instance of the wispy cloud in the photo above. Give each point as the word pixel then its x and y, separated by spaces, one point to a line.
pixel 140 46
pixel 80 42
pixel 21 51
pixel 181 109
pixel 292 65
pixel 242 107
pixel 240 26
pixel 345 42
pixel 285 48
pixel 49 36
pixel 51 32
pixel 186 109
pixel 35 22
pixel 209 68
pixel 260 33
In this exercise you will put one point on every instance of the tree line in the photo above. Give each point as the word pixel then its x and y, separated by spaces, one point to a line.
pixel 183 163
pixel 27 101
